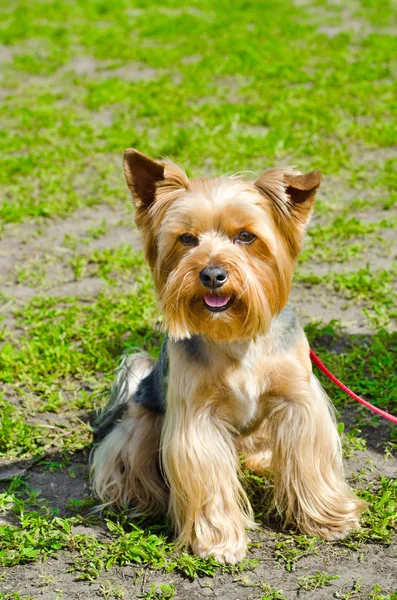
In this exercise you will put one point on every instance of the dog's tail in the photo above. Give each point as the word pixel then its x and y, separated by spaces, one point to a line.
pixel 132 369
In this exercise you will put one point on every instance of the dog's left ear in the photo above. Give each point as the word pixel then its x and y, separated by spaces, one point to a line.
pixel 142 174
pixel 301 189
pixel 291 194
pixel 291 197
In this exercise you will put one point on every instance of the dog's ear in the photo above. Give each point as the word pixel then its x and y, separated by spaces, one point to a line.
pixel 154 185
pixel 142 174
pixel 291 198
pixel 291 193
pixel 301 189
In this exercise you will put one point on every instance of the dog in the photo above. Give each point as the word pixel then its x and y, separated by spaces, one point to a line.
pixel 234 377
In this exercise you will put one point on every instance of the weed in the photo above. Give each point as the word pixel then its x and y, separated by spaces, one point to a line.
pixel 376 594
pixel 352 443
pixel 16 435
pixel 316 581
pixel 162 592
pixel 80 505
pixel 110 590
pixel 352 593
pixel 270 593
pixel 379 521
pixel 289 549
pixel 99 230
pixel 37 536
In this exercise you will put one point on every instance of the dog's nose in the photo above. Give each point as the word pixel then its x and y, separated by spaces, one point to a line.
pixel 213 277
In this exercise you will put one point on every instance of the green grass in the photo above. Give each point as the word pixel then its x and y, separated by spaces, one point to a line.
pixel 271 594
pixel 374 289
pixel 162 592
pixel 37 533
pixel 316 581
pixel 218 87
pixel 310 93
pixel 374 594
pixel 289 549
pixel 366 364
pixel 14 596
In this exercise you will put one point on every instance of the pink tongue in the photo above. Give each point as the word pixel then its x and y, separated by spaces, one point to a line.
pixel 216 301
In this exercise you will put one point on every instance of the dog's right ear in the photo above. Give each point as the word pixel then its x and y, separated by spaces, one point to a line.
pixel 142 175
pixel 153 185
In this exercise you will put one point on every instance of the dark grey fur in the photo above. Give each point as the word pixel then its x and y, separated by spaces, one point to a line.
pixel 194 349
pixel 152 390
pixel 150 393
pixel 286 330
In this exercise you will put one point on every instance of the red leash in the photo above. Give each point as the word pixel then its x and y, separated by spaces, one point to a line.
pixel 320 365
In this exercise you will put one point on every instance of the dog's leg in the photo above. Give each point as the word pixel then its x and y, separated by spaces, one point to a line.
pixel 208 505
pixel 309 484
pixel 125 466
pixel 255 450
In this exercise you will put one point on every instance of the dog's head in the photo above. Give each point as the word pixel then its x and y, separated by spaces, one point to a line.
pixel 222 250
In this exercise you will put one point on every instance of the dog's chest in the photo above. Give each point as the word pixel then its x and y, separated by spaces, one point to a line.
pixel 244 386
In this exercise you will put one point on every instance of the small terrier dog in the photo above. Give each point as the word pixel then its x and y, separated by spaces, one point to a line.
pixel 234 376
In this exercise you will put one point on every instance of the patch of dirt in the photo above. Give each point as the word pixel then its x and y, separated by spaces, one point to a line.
pixel 6 54
pixel 134 71
pixel 378 255
pixel 355 25
pixel 339 193
pixel 192 60
pixel 84 288
pixel 59 487
pixel 27 245
pixel 233 82
pixel 318 303
pixel 134 12
pixel 228 92
pixel 254 130
pixel 84 65
pixel 188 10
pixel 48 578
pixel 104 117
pixel 341 17
pixel 351 25
pixel 373 155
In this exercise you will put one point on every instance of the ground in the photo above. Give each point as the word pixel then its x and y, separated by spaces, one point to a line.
pixel 219 87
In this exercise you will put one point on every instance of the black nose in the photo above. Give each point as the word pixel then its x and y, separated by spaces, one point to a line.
pixel 213 277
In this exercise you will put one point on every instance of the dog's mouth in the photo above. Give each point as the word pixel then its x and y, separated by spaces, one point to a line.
pixel 217 303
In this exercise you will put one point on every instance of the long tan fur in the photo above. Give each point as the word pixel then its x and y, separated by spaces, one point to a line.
pixel 126 465
pixel 208 505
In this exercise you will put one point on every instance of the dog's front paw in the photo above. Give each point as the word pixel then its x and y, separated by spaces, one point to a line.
pixel 345 518
pixel 229 553
pixel 332 534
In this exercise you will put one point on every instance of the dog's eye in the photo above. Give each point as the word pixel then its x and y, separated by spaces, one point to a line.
pixel 245 237
pixel 188 239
